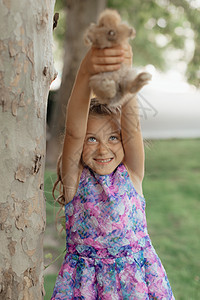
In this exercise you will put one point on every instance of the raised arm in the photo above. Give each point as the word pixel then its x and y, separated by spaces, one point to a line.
pixel 95 61
pixel 133 141
pixel 132 137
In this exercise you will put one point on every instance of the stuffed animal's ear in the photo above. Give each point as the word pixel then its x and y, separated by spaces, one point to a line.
pixel 132 33
pixel 89 34
pixel 128 31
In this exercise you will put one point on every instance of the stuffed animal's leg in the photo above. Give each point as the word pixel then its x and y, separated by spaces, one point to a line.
pixel 139 81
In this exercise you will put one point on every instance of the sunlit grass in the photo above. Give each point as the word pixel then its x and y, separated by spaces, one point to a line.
pixel 172 192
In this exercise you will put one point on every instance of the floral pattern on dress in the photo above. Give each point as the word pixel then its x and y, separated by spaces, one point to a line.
pixel 109 252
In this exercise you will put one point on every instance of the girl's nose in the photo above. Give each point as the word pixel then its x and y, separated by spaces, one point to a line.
pixel 102 148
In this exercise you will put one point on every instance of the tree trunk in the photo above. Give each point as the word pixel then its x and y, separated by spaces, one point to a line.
pixel 26 70
pixel 79 15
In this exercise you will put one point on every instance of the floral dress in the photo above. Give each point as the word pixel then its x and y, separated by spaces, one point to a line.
pixel 109 252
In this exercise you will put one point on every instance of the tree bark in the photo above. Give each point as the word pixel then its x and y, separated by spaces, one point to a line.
pixel 26 71
pixel 79 15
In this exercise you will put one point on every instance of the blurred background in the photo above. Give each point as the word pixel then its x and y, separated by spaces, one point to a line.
pixel 167 45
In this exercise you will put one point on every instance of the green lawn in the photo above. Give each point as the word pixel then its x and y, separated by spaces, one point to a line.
pixel 172 191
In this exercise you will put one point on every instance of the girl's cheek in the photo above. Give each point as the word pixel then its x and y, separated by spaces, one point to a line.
pixel 119 148
pixel 88 150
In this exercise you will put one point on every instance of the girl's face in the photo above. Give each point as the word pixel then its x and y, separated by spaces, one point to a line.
pixel 102 149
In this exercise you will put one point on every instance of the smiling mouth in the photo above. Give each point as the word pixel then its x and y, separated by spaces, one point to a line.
pixel 103 161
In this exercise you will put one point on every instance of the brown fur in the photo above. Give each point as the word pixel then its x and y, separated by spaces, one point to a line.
pixel 111 88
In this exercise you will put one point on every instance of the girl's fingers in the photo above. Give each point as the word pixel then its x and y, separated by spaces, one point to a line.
pixel 106 68
pixel 128 54
pixel 106 60
pixel 113 55
pixel 109 52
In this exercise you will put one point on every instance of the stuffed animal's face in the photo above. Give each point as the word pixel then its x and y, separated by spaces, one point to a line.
pixel 109 31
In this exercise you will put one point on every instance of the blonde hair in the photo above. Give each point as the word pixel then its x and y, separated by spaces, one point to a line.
pixel 58 185
pixel 97 108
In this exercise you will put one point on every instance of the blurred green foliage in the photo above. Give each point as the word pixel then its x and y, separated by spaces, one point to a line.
pixel 161 25
pixel 173 22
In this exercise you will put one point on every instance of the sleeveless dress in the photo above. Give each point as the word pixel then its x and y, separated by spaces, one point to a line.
pixel 109 252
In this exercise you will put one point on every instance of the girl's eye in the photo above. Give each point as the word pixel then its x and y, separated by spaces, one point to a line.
pixel 113 138
pixel 91 139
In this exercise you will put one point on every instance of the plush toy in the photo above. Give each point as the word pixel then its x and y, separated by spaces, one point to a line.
pixel 111 88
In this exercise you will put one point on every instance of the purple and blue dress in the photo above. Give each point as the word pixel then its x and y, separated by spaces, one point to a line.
pixel 109 252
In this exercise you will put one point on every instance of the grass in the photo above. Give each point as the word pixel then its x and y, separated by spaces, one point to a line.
pixel 54 242
pixel 172 191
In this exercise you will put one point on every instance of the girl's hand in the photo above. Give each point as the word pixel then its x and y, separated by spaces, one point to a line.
pixel 103 60
pixel 128 54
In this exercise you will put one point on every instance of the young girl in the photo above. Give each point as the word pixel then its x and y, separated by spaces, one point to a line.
pixel 109 252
